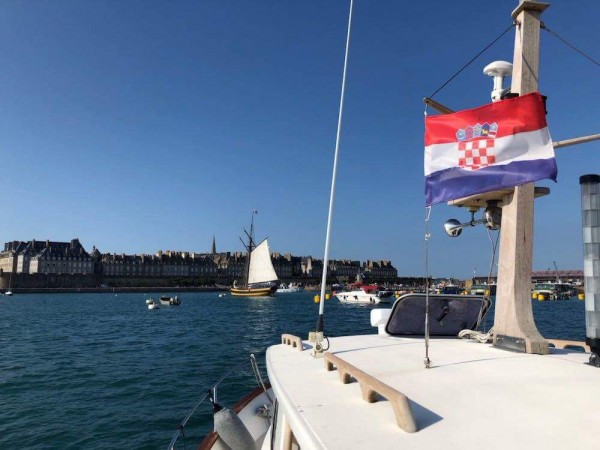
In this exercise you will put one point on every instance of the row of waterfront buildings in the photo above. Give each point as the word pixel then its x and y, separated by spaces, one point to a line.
pixel 71 258
pixel 64 259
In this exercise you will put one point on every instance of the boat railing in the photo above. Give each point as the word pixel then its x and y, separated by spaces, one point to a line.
pixel 371 388
pixel 294 341
pixel 211 394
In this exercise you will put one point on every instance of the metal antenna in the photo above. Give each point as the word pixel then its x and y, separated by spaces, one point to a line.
pixel 318 350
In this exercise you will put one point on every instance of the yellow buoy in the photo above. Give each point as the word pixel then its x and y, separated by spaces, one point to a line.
pixel 581 296
pixel 317 298
pixel 534 295
pixel 541 297
pixel 327 296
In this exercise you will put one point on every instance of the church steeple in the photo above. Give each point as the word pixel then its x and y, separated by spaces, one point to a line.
pixel 214 246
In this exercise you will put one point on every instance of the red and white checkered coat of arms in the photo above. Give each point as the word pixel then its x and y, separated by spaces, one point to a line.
pixel 474 155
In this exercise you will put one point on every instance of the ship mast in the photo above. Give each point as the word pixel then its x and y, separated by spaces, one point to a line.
pixel 249 248
pixel 514 326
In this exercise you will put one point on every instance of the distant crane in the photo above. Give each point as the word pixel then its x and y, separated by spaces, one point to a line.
pixel 556 272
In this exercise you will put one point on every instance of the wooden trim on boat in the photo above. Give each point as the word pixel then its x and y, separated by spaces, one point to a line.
pixel 371 388
pixel 209 441
pixel 294 341
pixel 252 292
pixel 211 438
pixel 559 343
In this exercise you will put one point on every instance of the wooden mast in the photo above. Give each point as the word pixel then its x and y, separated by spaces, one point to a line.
pixel 514 326
pixel 250 248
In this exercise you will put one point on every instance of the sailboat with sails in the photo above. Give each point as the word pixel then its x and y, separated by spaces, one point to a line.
pixel 259 278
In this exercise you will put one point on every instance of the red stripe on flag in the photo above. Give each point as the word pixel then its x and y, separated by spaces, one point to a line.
pixel 514 115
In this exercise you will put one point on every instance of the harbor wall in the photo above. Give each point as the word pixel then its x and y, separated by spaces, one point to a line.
pixel 94 281
pixel 40 280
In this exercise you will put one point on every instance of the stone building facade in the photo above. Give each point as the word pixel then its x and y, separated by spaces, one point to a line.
pixel 311 267
pixel 161 264
pixel 345 269
pixel 382 269
pixel 47 257
pixel 70 258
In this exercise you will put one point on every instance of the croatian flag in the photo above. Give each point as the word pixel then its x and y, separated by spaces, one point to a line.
pixel 500 145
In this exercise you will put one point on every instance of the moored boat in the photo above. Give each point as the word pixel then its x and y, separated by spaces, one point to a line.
pixel 153 304
pixel 483 289
pixel 365 293
pixel 170 301
pixel 553 291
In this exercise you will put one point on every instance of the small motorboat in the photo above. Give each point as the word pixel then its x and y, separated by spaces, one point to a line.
pixel 365 293
pixel 170 301
pixel 153 305
pixel 8 293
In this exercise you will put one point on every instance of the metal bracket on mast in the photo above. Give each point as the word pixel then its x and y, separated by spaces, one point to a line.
pixel 437 106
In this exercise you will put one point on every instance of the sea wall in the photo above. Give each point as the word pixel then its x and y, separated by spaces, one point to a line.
pixel 78 281
pixel 40 280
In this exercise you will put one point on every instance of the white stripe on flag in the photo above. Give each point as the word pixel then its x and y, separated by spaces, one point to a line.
pixel 517 147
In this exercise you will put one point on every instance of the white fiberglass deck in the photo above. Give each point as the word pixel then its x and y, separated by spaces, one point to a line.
pixel 474 395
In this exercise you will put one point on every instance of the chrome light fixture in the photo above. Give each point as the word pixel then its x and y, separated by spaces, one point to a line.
pixel 492 218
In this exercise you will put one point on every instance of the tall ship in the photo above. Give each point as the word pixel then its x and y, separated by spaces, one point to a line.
pixel 259 278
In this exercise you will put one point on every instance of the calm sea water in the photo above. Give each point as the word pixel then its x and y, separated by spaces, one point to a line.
pixel 100 371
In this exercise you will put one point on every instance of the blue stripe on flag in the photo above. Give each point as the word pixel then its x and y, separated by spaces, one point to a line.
pixel 456 183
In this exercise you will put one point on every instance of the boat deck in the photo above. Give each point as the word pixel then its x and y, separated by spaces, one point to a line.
pixel 518 400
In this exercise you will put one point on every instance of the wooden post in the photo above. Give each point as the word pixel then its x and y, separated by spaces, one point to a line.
pixel 514 327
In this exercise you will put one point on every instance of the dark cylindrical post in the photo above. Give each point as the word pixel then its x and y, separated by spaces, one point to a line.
pixel 590 206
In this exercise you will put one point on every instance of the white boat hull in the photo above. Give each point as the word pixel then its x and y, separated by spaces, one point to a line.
pixel 361 297
pixel 246 409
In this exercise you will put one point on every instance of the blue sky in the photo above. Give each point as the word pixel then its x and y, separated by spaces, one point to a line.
pixel 145 125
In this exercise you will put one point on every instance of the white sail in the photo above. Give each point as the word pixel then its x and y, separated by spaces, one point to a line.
pixel 261 266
